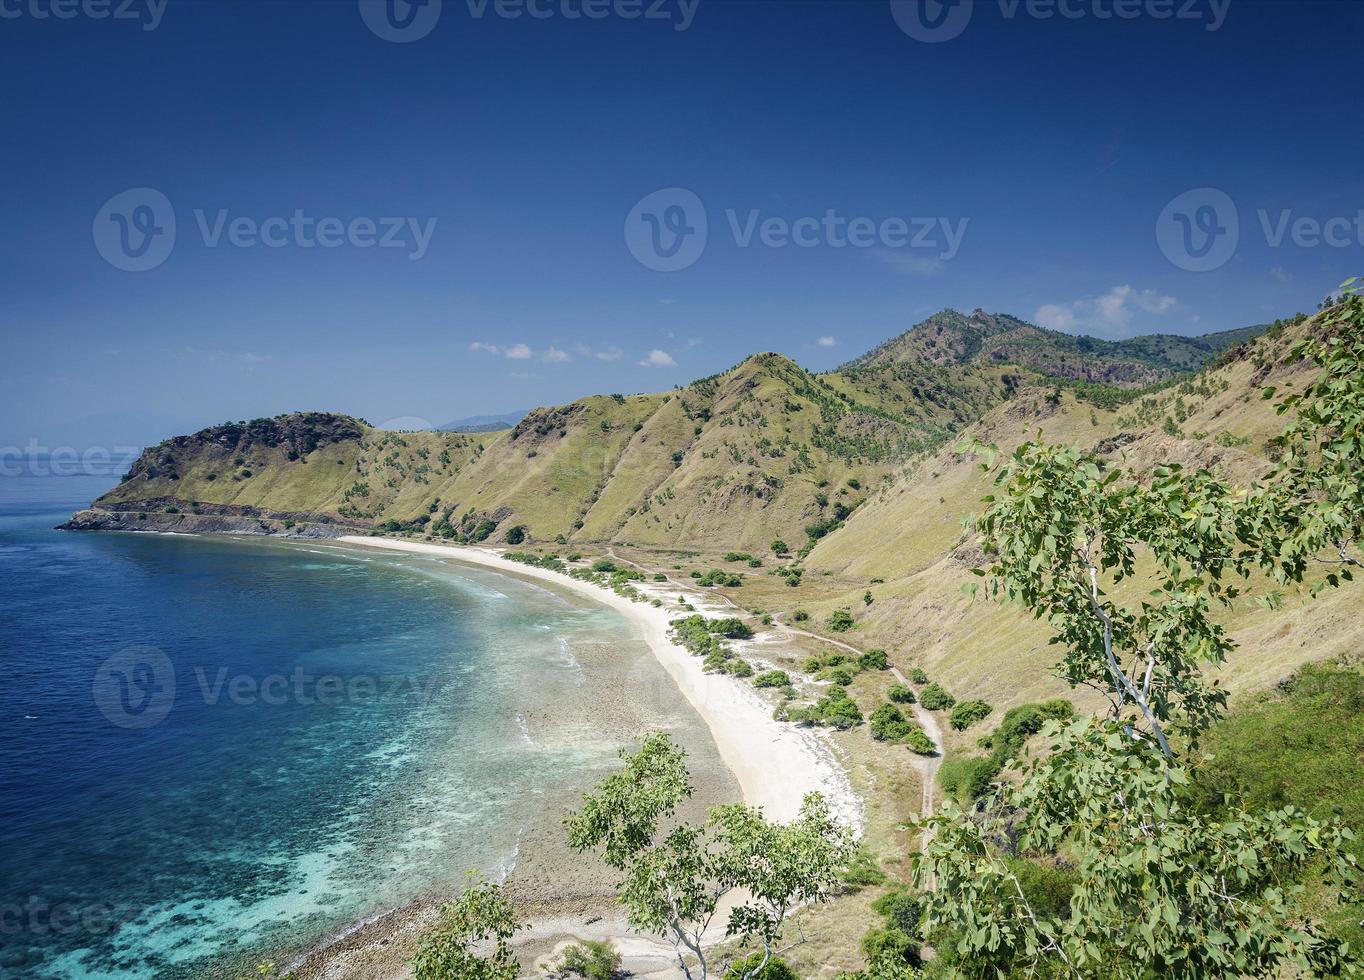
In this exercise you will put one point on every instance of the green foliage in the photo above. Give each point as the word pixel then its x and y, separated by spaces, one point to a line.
pixel 718 576
pixel 892 945
pixel 919 742
pixel 968 777
pixel 861 869
pixel 753 967
pixel 779 547
pixel 772 678
pixel 874 659
pixel 918 676
pixel 889 725
pixel 479 917
pixel 935 698
pixel 967 713
pixel 734 628
pixel 800 615
pixel 590 960
pixel 516 534
pixel 674 882
pixel 1161 887
pixel 840 621
pixel 604 565
pixel 900 909
pixel 901 694
pixel 737 556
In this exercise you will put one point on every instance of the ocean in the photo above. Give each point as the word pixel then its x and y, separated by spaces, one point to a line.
pixel 219 751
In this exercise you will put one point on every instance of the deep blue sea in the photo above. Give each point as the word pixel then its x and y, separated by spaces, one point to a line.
pixel 216 749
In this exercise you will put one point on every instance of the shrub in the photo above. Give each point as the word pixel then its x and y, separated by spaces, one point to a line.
pixel 779 547
pixel 755 563
pixel 773 969
pixel 919 742
pixel 660 577
pixel 735 629
pixel 737 556
pixel 590 960
pixel 889 725
pixel 900 909
pixel 800 615
pixel 837 675
pixel 739 667
pixel 603 565
pixel 841 621
pixel 967 778
pixel 867 598
pixel 772 678
pixel 934 698
pixel 718 576
pixel 918 676
pixel 901 694
pixel 837 709
pixel 967 713
pixel 894 945
pixel 874 660
pixel 516 535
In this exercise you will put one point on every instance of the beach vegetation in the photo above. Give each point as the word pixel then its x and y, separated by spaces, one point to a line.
pixel 483 919
pixel 935 698
pixel 772 678
pixel 675 879
pixel 901 694
pixel 731 627
pixel 888 724
pixel 590 960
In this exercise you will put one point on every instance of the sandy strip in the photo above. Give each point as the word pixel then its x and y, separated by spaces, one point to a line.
pixel 775 764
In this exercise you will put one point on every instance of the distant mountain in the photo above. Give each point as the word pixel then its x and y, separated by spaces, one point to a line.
pixel 484 423
pixel 952 338
pixel 761 451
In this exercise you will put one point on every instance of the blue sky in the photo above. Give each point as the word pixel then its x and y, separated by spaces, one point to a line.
pixel 1021 166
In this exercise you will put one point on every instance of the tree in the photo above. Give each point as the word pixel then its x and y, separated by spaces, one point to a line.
pixel 479 916
pixel 673 882
pixel 1160 888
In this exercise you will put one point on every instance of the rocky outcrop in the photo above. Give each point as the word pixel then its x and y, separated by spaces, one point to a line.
pixel 165 515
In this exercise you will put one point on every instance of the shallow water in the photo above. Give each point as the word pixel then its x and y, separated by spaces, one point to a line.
pixel 221 749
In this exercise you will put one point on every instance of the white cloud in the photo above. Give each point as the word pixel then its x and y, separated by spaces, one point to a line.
pixel 490 348
pixel 1108 314
pixel 658 358
pixel 608 353
pixel 1281 274
pixel 553 355
pixel 519 352
pixel 826 341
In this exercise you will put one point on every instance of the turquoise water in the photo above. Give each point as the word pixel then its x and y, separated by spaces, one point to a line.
pixel 217 749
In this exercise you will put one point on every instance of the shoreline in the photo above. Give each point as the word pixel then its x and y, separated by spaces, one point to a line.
pixel 775 764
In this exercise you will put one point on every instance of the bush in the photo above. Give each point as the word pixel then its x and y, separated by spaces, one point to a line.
pixel 889 725
pixel 967 778
pixel 900 909
pixel 841 621
pixel 737 556
pixel 603 565
pixel 901 694
pixel 772 678
pixel 934 698
pixel 918 676
pixel 718 576
pixel 739 667
pixel 874 660
pixel 734 628
pixel 779 547
pixel 800 615
pixel 774 969
pixel 516 535
pixel 862 870
pixel 591 960
pixel 967 713
pixel 894 945
pixel 755 563
pixel 836 675
pixel 919 742
pixel 837 709
pixel 660 577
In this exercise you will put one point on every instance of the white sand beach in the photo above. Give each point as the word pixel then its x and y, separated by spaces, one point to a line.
pixel 775 764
